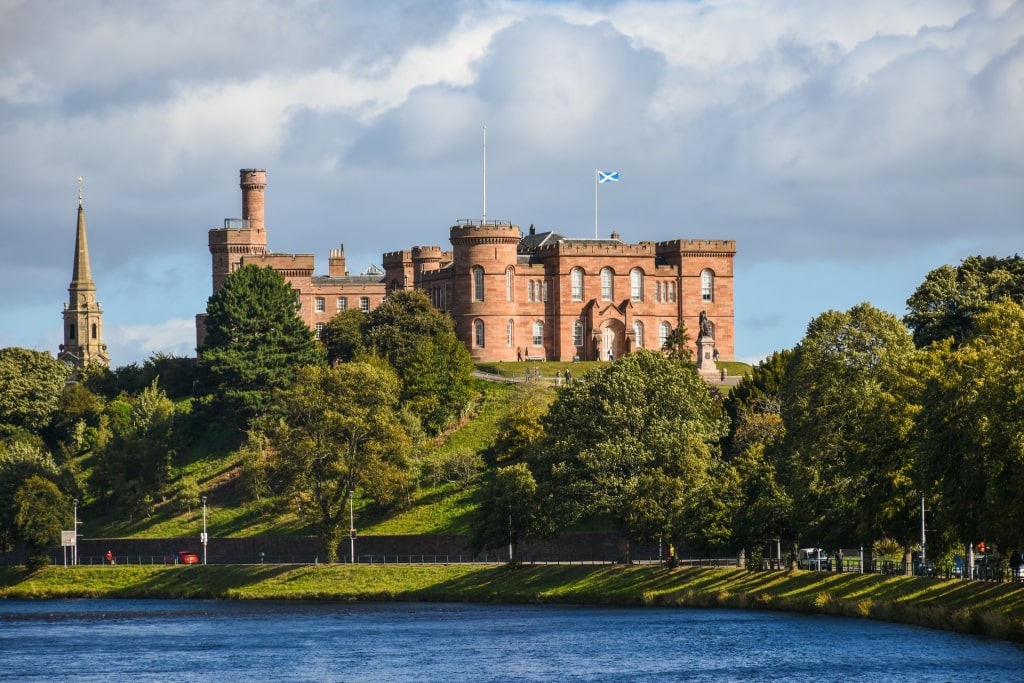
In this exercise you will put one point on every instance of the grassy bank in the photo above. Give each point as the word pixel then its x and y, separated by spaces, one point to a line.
pixel 994 610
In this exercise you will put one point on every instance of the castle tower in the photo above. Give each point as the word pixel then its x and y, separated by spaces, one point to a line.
pixel 245 236
pixel 83 318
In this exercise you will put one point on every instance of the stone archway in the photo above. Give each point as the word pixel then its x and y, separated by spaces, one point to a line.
pixel 613 340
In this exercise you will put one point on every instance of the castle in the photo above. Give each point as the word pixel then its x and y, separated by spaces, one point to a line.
pixel 537 296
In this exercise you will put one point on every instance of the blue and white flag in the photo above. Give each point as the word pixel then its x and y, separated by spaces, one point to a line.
pixel 607 176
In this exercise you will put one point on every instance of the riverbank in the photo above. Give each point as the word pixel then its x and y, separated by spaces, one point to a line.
pixel 990 609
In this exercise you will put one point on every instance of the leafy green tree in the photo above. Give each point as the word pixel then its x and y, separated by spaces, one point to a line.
pixel 254 343
pixel 756 394
pixel 949 301
pixel 419 342
pixel 677 344
pixel 30 387
pixel 135 466
pixel 519 428
pixel 19 462
pixel 40 515
pixel 342 336
pixel 510 512
pixel 971 430
pixel 629 443
pixel 337 430
pixel 848 410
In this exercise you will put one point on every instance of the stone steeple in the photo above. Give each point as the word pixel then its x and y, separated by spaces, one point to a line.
pixel 83 318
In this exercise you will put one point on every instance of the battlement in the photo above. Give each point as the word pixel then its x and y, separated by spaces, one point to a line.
pixel 397 258
pixel 697 247
pixel 469 229
pixel 297 265
pixel 597 247
pixel 235 233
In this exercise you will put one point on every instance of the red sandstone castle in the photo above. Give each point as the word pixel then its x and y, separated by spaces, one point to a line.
pixel 536 296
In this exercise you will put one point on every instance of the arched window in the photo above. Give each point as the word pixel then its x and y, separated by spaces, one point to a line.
pixel 638 334
pixel 510 333
pixel 538 333
pixel 544 290
pixel 577 334
pixel 509 277
pixel 607 284
pixel 577 284
pixel 94 332
pixel 478 333
pixel 663 331
pixel 636 284
pixel 672 291
pixel 707 285
pixel 529 290
pixel 478 283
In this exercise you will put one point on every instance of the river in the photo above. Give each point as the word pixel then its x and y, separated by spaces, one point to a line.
pixel 229 642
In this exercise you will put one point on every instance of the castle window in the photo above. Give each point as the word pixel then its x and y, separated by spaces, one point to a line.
pixel 638 333
pixel 544 291
pixel 364 304
pixel 71 331
pixel 671 291
pixel 320 306
pixel 538 333
pixel 707 285
pixel 478 333
pixel 509 277
pixel 607 284
pixel 510 333
pixel 529 290
pixel 319 330
pixel 94 331
pixel 342 303
pixel 663 331
pixel 577 334
pixel 577 284
pixel 636 284
pixel 298 300
pixel 478 283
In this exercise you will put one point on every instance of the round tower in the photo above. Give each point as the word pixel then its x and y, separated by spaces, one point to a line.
pixel 253 183
pixel 484 260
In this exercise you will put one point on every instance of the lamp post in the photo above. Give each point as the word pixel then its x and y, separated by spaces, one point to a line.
pixel 204 530
pixel 74 525
pixel 351 526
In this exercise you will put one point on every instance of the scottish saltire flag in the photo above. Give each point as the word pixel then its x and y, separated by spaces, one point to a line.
pixel 607 176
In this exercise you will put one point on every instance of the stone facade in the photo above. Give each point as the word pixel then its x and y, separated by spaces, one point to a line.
pixel 513 296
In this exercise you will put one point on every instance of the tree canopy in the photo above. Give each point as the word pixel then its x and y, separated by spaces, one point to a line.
pixel 255 342
pixel 30 387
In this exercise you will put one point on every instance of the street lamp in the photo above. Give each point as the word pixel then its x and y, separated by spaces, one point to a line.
pixel 351 526
pixel 204 530
pixel 74 525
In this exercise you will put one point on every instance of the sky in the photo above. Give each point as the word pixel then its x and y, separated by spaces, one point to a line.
pixel 848 147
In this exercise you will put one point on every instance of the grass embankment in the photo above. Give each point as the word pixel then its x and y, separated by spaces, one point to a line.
pixel 990 609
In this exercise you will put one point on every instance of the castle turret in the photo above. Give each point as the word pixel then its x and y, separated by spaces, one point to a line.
pixel 240 237
pixel 83 318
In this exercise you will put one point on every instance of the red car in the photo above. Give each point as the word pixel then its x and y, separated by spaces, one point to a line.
pixel 182 557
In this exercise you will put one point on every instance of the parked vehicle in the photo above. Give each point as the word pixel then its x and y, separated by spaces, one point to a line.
pixel 814 559
pixel 182 557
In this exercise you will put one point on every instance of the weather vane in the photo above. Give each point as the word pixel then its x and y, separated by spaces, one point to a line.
pixel 80 190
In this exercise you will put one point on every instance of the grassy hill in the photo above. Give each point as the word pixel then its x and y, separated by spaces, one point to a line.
pixel 213 463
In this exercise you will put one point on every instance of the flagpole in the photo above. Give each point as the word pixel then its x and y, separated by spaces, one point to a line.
pixel 484 222
pixel 595 203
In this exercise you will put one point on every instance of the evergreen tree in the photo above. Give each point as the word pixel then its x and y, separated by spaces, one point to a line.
pixel 254 343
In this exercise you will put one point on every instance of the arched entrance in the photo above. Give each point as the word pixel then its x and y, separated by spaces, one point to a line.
pixel 613 340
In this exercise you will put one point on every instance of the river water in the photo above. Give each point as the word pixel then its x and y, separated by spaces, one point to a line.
pixel 229 642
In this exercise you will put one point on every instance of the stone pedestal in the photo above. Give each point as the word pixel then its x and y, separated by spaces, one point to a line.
pixel 706 357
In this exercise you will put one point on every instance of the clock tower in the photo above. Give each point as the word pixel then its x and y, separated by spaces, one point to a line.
pixel 83 318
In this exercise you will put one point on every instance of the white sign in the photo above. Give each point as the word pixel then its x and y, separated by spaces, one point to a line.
pixel 67 538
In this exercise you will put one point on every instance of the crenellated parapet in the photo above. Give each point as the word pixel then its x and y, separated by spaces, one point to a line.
pixel 697 247
pixel 479 232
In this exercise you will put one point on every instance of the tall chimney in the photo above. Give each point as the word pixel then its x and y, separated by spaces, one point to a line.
pixel 253 183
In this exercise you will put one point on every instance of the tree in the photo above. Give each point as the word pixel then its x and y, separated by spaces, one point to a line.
pixel 419 342
pixel 847 409
pixel 30 387
pixel 519 428
pixel 254 343
pixel 342 336
pixel 510 512
pixel 337 430
pixel 949 301
pixel 677 344
pixel 630 443
pixel 19 462
pixel 40 515
pixel 755 401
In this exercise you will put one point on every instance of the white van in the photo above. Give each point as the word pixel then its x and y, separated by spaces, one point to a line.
pixel 814 559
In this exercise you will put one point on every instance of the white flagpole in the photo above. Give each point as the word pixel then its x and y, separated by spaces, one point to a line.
pixel 595 202
pixel 485 176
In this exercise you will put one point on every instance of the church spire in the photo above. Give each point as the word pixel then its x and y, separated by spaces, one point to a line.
pixel 83 318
